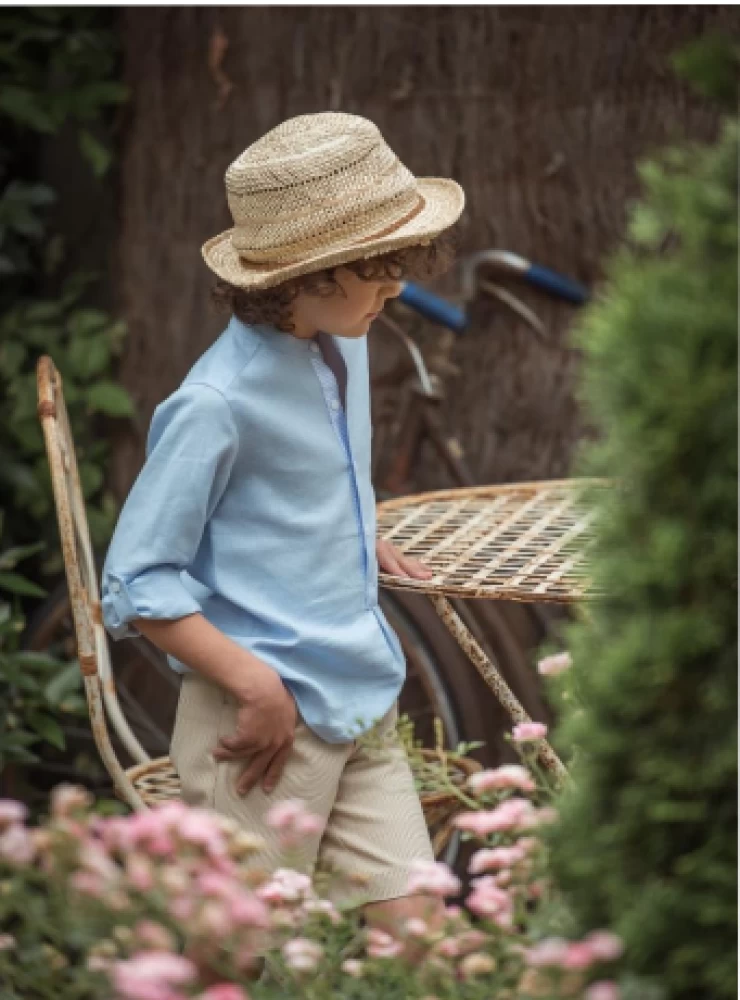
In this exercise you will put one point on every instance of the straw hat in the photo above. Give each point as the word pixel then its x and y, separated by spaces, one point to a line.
pixel 322 190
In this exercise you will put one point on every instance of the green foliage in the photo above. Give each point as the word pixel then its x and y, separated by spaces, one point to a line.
pixel 83 343
pixel 35 689
pixel 647 839
pixel 57 65
pixel 57 69
pixel 713 66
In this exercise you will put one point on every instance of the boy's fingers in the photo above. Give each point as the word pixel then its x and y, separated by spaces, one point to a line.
pixel 235 748
pixel 273 772
pixel 393 566
pixel 253 772
pixel 415 567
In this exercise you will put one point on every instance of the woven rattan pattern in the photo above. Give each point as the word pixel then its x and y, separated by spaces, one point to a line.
pixel 526 542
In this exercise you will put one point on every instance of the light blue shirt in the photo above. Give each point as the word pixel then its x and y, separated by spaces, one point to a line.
pixel 255 508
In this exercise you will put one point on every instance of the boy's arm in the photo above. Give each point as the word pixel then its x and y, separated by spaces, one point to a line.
pixel 266 713
pixel 194 641
pixel 191 449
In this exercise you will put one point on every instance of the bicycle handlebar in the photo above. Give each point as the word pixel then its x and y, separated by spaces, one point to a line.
pixel 439 310
pixel 434 308
pixel 556 284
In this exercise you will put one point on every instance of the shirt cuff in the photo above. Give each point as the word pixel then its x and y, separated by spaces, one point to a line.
pixel 157 594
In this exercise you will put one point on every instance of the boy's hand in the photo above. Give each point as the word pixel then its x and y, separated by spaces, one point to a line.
pixel 265 728
pixel 392 560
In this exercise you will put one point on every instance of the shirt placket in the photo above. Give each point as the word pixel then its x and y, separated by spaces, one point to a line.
pixel 338 417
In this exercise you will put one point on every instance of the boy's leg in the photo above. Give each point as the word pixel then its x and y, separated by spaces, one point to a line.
pixel 392 915
pixel 205 713
pixel 376 831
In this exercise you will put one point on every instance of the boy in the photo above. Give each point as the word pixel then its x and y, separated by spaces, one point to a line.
pixel 246 549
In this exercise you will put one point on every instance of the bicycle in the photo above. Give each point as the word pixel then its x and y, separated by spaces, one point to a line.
pixel 441 683
pixel 509 633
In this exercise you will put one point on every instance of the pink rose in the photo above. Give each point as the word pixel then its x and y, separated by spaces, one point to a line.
pixel 490 900
pixel 515 813
pixel 551 666
pixel 549 951
pixel 66 799
pixel 154 936
pixel 605 946
pixel 432 877
pixel 197 826
pixel 224 991
pixel 578 955
pixel 181 908
pixel 302 954
pixel 286 886
pixel 603 990
pixel 150 975
pixel 140 872
pixel 382 945
pixel 495 858
pixel 213 919
pixel 11 812
pixel 525 732
pixel 353 968
pixel 16 845
pixel 93 858
pixel 506 776
pixel 247 910
pixel 88 884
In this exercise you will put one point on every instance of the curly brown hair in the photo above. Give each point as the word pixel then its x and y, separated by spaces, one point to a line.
pixel 274 306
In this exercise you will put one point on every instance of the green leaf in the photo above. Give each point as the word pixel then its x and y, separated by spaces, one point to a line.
pixel 109 398
pixel 67 682
pixel 32 660
pixel 11 557
pixel 17 584
pixel 48 728
pixel 26 108
pixel 89 356
pixel 96 154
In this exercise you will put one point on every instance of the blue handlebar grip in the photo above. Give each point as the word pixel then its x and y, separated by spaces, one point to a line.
pixel 556 284
pixel 433 307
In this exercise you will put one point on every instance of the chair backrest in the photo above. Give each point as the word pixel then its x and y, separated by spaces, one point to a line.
pixel 81 573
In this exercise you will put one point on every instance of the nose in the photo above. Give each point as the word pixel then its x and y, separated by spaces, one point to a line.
pixel 393 289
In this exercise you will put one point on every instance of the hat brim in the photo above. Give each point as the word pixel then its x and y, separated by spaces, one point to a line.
pixel 444 203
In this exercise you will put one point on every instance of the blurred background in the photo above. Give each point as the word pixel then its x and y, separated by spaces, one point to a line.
pixel 117 127
pixel 540 113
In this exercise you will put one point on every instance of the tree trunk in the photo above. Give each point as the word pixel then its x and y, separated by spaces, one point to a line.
pixel 539 112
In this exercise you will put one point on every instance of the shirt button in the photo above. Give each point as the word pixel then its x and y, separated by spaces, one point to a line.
pixel 314 347
pixel 116 588
pixel 334 404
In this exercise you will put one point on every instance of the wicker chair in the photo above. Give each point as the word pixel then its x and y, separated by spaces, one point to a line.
pixel 150 781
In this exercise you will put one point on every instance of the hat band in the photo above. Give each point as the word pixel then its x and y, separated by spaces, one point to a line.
pixel 387 231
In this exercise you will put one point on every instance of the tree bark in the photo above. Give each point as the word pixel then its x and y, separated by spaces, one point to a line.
pixel 540 113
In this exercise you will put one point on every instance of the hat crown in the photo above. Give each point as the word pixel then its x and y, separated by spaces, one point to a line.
pixel 316 182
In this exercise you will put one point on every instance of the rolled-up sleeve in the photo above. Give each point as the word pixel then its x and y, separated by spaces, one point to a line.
pixel 191 449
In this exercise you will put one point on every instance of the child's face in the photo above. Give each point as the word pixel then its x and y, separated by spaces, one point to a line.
pixel 347 313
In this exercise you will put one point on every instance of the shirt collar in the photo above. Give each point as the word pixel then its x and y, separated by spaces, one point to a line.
pixel 271 337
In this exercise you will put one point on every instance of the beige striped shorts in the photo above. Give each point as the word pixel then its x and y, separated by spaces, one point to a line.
pixel 364 791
